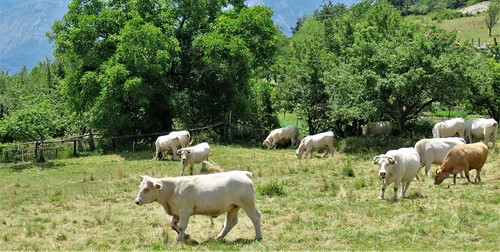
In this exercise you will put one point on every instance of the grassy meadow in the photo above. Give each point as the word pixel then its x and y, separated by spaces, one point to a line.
pixel 321 203
pixel 468 28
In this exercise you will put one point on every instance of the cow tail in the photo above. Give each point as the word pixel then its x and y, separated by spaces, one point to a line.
pixel 495 130
pixel 190 140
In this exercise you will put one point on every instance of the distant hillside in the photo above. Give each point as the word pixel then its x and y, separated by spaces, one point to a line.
pixel 23 25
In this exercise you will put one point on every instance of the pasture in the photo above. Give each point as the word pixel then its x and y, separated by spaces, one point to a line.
pixel 87 203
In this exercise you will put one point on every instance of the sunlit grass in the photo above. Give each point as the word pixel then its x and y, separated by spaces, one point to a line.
pixel 313 204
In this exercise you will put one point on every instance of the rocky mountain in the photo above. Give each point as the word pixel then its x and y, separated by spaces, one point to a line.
pixel 23 25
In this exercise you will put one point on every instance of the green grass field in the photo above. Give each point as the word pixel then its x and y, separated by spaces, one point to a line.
pixel 315 204
pixel 467 28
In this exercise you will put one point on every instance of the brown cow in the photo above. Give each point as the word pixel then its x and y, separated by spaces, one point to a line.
pixel 462 157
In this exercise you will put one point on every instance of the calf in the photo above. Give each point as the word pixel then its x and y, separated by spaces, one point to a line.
pixel 195 154
pixel 449 128
pixel 398 166
pixel 171 142
pixel 210 195
pixel 316 142
pixel 433 150
pixel 281 135
pixel 464 157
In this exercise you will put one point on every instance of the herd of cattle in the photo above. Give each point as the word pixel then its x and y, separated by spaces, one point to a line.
pixel 227 192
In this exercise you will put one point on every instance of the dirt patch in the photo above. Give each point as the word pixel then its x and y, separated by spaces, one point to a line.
pixel 476 8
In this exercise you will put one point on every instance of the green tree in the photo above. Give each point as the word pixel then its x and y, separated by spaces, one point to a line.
pixel 134 65
pixel 305 64
pixel 484 95
pixel 492 15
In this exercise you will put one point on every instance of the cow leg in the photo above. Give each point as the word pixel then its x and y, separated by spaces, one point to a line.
pixel 174 153
pixel 427 167
pixel 478 176
pixel 174 223
pixel 384 185
pixel 231 220
pixel 183 167
pixel 183 222
pixel 454 178
pixel 396 187
pixel 466 171
pixel 406 185
pixel 254 215
pixel 191 168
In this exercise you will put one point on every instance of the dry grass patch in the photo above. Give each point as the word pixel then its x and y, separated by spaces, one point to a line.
pixel 317 204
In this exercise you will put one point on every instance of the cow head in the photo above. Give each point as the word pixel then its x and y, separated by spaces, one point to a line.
pixel 384 162
pixel 267 143
pixel 184 153
pixel 149 190
pixel 364 129
pixel 440 176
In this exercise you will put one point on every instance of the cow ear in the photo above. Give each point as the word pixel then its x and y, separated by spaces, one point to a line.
pixel 157 185
pixel 179 152
pixel 392 161
pixel 188 151
pixel 375 159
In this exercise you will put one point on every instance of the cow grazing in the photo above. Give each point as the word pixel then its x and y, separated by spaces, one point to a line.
pixel 449 128
pixel 377 128
pixel 316 142
pixel 171 142
pixel 193 155
pixel 433 150
pixel 482 128
pixel 277 136
pixel 398 166
pixel 463 157
pixel 210 195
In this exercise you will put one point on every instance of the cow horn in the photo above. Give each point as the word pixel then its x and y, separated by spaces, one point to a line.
pixel 375 159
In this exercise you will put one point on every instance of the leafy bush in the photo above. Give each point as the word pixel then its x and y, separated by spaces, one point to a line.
pixel 271 189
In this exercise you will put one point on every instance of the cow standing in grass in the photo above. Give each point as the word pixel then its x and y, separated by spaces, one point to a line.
pixel 398 166
pixel 321 141
pixel 194 155
pixel 210 195
pixel 171 142
pixel 464 157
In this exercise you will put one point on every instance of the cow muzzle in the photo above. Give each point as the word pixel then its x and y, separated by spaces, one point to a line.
pixel 382 175
pixel 138 202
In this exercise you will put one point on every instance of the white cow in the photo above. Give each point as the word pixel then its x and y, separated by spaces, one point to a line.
pixel 433 150
pixel 210 195
pixel 398 166
pixel 171 142
pixel 377 128
pixel 482 128
pixel 449 128
pixel 316 142
pixel 195 154
pixel 280 135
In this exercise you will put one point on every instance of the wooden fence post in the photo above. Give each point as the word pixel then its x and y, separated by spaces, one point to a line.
pixel 74 148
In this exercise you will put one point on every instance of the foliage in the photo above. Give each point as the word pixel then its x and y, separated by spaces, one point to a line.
pixel 366 64
pixel 485 90
pixel 492 15
pixel 140 64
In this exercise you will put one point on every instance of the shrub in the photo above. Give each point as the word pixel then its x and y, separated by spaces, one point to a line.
pixel 271 189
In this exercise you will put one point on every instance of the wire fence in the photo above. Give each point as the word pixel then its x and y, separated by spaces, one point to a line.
pixel 82 144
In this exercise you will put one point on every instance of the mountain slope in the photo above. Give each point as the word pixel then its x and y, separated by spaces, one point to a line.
pixel 23 25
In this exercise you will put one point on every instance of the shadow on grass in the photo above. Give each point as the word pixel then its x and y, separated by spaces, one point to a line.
pixel 33 165
pixel 239 241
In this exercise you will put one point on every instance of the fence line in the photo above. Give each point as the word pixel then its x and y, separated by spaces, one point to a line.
pixel 21 152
